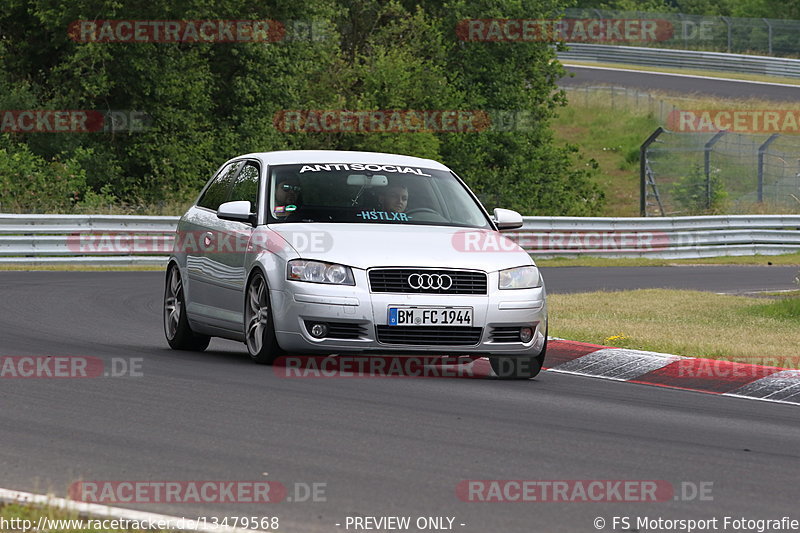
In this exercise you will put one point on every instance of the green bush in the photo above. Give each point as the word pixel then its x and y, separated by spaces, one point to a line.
pixel 691 193
pixel 31 183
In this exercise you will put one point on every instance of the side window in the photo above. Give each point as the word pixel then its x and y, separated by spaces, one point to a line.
pixel 246 186
pixel 217 192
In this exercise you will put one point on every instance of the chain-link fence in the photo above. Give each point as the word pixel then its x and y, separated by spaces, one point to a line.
pixel 709 172
pixel 761 36
pixel 621 98
pixel 720 173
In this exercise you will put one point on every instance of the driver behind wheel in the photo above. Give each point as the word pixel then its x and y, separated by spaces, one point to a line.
pixel 394 199
pixel 288 195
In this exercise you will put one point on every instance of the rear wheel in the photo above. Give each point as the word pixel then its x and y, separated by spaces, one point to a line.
pixel 176 326
pixel 259 328
pixel 519 366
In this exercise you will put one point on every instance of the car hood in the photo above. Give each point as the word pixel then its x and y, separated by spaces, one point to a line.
pixel 370 245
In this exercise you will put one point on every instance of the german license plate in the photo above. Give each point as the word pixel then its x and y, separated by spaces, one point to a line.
pixel 430 316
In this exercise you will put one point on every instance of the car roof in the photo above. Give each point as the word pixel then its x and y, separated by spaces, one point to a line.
pixel 288 157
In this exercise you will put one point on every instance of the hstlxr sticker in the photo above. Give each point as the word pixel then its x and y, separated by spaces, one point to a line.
pixel 383 215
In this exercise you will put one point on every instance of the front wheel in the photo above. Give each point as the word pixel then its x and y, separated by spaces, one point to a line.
pixel 259 329
pixel 519 366
pixel 176 326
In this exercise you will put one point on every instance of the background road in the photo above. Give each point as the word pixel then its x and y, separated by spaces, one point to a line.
pixel 734 279
pixel 679 84
pixel 382 446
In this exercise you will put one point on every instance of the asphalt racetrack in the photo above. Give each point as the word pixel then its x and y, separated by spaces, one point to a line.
pixel 685 85
pixel 396 447
pixel 733 279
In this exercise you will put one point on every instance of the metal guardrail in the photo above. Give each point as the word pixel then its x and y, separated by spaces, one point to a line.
pixel 663 57
pixel 764 36
pixel 67 224
pixel 660 237
pixel 112 240
pixel 62 239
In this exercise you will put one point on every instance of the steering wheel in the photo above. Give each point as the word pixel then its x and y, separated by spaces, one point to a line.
pixel 423 210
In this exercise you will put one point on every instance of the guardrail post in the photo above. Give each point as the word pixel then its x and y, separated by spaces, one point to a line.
pixel 769 34
pixel 761 150
pixel 643 170
pixel 727 21
pixel 707 163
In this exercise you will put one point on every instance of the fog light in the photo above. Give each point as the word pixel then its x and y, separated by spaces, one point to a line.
pixel 525 334
pixel 319 330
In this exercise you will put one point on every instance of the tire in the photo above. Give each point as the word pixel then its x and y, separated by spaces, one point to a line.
pixel 176 326
pixel 519 366
pixel 259 328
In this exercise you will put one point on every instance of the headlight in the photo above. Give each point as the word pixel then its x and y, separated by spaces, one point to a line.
pixel 526 277
pixel 319 272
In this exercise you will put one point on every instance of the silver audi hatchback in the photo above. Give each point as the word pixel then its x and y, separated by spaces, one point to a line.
pixel 333 252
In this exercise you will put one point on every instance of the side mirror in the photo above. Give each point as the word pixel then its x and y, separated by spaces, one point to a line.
pixel 238 211
pixel 507 219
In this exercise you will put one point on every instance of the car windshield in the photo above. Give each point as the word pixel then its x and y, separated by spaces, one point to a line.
pixel 371 193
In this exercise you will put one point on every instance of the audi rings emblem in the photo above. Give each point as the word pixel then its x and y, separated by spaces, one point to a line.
pixel 430 281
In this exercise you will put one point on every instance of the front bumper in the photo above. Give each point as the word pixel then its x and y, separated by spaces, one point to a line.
pixel 299 304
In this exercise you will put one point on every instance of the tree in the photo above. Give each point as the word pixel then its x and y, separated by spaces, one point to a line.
pixel 207 102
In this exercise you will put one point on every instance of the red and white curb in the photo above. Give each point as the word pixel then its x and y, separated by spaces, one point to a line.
pixel 95 511
pixel 710 376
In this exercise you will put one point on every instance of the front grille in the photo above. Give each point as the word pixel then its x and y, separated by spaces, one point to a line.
pixel 429 335
pixel 505 334
pixel 396 280
pixel 340 330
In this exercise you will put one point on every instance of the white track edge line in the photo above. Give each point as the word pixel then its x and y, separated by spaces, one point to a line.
pixel 634 382
pixel 760 399
pixel 573 373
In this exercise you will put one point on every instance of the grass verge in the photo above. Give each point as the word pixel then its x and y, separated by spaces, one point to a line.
pixel 612 138
pixel 688 323
pixel 764 260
